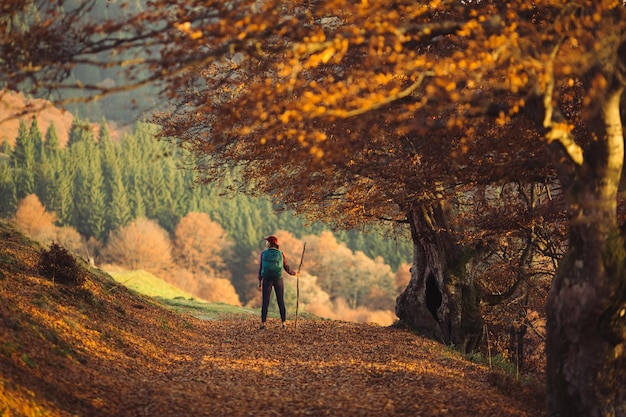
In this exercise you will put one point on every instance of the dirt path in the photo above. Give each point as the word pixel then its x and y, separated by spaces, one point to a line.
pixel 329 368
pixel 100 350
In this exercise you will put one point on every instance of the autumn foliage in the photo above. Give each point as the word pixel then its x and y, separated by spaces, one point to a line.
pixel 200 244
pixel 143 244
pixel 32 217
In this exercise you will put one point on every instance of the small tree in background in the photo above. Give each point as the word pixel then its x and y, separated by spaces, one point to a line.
pixel 34 220
pixel 403 276
pixel 218 290
pixel 199 245
pixel 142 244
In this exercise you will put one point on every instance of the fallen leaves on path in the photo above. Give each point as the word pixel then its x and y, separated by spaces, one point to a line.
pixel 100 350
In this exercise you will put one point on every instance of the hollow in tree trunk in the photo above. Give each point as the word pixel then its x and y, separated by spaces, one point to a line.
pixel 441 300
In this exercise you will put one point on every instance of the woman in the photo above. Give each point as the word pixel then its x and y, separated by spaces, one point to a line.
pixel 271 267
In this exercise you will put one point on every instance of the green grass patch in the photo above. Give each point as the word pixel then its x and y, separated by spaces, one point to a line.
pixel 164 293
pixel 168 295
pixel 147 284
pixel 207 311
pixel 28 361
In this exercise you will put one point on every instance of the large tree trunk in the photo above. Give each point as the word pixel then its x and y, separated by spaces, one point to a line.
pixel 586 308
pixel 440 301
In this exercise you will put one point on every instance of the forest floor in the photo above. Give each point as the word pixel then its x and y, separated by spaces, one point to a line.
pixel 101 350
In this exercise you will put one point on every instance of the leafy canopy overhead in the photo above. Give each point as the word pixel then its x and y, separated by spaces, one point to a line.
pixel 353 105
pixel 371 107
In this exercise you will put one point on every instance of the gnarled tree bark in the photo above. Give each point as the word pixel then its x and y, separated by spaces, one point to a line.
pixel 441 300
pixel 586 308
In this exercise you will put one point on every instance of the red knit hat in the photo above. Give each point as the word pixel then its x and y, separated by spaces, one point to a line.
pixel 272 239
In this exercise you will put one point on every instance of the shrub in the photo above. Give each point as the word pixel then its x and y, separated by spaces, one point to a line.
pixel 58 265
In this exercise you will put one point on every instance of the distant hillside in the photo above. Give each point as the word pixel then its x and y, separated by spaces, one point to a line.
pixel 99 349
pixel 15 107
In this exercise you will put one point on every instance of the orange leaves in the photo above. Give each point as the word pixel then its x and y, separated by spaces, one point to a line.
pixel 468 28
pixel 287 115
pixel 446 84
pixel 185 27
pixel 334 51
pixel 316 152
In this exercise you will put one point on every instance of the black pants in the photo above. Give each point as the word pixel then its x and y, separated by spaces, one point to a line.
pixel 279 288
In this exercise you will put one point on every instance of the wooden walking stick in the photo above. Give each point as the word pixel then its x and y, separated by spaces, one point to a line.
pixel 295 327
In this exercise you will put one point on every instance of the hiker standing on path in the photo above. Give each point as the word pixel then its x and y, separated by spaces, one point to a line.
pixel 271 275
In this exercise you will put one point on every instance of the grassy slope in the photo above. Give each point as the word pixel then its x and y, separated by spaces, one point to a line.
pixel 101 350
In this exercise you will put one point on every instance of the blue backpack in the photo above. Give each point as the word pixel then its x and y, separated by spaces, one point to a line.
pixel 272 264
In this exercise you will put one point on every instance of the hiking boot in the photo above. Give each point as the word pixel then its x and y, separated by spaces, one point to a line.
pixel 262 326
pixel 284 325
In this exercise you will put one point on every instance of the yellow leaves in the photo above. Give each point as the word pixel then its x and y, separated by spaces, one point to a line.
pixel 502 119
pixel 322 57
pixel 318 37
pixel 467 29
pixel 517 106
pixel 185 27
pixel 517 80
pixel 316 152
pixel 383 79
pixel 335 51
pixel 285 116
pixel 468 65
pixel 597 17
pixel 446 84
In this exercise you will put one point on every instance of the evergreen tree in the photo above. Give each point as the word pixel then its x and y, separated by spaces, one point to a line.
pixel 98 211
pixel 52 144
pixel 45 181
pixel 23 159
pixel 61 199
pixel 37 139
pixel 179 192
pixel 119 213
pixel 168 213
pixel 6 148
pixel 155 191
pixel 8 196
pixel 138 204
pixel 55 191
pixel 80 131
pixel 89 198
pixel 109 161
